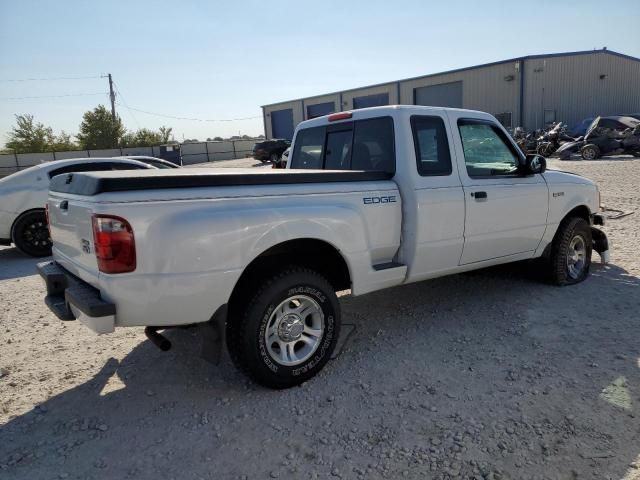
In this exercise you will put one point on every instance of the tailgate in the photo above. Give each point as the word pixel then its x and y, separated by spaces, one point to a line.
pixel 72 235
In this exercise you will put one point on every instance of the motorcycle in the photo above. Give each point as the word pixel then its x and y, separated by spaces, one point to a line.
pixel 550 141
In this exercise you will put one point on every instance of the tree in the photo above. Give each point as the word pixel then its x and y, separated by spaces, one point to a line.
pixel 99 130
pixel 63 143
pixel 29 137
pixel 165 133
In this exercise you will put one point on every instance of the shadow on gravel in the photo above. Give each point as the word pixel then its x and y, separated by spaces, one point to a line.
pixel 482 375
pixel 14 264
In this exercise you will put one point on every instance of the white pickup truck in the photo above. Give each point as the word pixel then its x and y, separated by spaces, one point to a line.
pixel 372 199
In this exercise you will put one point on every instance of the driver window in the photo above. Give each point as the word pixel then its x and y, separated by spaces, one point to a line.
pixel 486 152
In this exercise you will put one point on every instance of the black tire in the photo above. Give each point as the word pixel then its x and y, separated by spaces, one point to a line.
pixel 246 333
pixel 30 234
pixel 590 152
pixel 559 266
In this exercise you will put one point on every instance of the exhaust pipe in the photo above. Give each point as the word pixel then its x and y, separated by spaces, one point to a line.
pixel 157 339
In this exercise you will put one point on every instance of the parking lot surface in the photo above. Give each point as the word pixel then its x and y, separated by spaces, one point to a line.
pixel 486 375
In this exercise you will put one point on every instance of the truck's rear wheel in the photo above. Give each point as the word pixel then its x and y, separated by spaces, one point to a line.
pixel 570 257
pixel 286 333
pixel 30 234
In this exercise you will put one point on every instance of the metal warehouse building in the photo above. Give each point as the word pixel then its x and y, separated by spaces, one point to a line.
pixel 527 91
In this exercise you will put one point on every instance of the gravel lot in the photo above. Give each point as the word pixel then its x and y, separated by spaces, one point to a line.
pixel 486 375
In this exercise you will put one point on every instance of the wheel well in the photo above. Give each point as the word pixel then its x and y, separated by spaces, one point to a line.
pixel 13 225
pixel 580 211
pixel 314 254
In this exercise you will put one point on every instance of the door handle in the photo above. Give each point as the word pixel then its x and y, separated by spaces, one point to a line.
pixel 479 195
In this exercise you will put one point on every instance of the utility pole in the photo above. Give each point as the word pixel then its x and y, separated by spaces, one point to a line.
pixel 112 96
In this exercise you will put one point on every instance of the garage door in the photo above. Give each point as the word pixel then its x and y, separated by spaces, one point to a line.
pixel 442 95
pixel 282 124
pixel 371 100
pixel 320 109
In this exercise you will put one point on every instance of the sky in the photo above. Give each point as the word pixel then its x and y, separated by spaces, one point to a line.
pixel 221 60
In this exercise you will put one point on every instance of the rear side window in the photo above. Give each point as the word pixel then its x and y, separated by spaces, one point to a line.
pixel 431 145
pixel 359 145
pixel 309 148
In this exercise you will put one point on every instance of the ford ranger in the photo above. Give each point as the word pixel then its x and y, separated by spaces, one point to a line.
pixel 370 199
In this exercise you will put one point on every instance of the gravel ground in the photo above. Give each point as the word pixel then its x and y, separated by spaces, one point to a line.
pixel 486 375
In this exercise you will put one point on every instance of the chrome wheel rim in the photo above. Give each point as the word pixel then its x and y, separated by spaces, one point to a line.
pixel 576 257
pixel 589 154
pixel 294 330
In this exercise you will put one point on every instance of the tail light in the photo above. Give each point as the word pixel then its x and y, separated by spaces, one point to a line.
pixel 114 244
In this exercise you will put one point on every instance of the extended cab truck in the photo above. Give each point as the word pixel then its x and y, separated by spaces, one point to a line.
pixel 372 199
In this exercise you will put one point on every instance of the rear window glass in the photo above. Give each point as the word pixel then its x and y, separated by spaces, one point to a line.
pixel 373 145
pixel 308 150
pixel 359 145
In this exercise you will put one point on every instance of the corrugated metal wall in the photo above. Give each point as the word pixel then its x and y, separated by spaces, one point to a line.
pixel 493 89
pixel 573 89
pixel 568 87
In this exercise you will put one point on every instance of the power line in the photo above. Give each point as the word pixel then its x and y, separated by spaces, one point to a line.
pixel 54 96
pixel 190 118
pixel 47 79
pixel 127 106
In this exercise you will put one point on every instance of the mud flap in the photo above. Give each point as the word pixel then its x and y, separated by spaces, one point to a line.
pixel 213 336
pixel 600 244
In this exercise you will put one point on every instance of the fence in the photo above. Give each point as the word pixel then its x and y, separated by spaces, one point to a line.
pixel 191 153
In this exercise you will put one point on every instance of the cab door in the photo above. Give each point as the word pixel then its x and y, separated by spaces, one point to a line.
pixel 505 212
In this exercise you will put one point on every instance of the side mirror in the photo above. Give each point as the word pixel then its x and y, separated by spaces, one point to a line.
pixel 535 164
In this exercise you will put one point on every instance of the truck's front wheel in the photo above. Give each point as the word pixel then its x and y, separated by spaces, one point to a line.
pixel 286 333
pixel 571 252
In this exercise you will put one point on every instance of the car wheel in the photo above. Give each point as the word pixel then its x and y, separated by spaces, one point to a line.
pixel 571 249
pixel 30 234
pixel 287 331
pixel 590 152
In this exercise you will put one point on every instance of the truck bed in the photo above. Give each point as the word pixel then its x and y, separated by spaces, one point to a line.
pixel 94 183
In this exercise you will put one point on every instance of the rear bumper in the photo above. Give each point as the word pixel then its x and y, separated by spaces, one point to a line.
pixel 70 298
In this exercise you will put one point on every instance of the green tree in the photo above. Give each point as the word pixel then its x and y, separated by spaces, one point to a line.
pixel 99 130
pixel 165 133
pixel 63 143
pixel 218 139
pixel 29 137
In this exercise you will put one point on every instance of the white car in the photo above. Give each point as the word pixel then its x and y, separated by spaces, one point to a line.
pixel 23 196
pixel 370 199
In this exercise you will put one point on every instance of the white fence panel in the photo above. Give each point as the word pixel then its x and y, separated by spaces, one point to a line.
pixel 8 165
pixel 107 152
pixel 194 158
pixel 30 159
pixel 144 151
pixel 220 147
pixel 193 148
pixel 71 154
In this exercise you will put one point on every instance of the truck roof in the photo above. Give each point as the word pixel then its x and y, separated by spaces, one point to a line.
pixel 390 110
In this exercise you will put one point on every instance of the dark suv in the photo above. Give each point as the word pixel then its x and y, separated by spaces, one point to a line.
pixel 270 150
